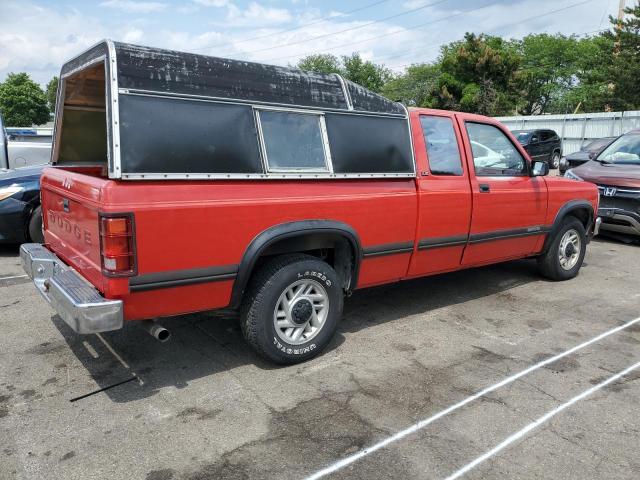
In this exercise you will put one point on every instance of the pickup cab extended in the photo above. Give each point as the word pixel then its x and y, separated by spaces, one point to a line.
pixel 184 183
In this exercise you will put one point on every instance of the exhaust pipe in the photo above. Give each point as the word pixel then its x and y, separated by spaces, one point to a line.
pixel 156 330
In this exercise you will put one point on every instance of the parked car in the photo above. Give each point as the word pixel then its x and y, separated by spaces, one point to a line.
pixel 541 145
pixel 4 154
pixel 23 147
pixel 295 190
pixel 616 171
pixel 28 146
pixel 588 151
pixel 20 212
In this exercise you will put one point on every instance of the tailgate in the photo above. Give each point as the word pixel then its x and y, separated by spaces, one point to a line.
pixel 70 205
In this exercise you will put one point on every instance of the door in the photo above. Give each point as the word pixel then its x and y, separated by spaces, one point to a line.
pixel 444 194
pixel 546 145
pixel 509 206
pixel 535 148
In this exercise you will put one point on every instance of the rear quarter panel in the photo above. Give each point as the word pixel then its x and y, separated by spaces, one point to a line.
pixel 194 224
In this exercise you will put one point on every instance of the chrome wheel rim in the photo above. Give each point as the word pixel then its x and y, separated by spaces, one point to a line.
pixel 301 311
pixel 569 250
pixel 556 161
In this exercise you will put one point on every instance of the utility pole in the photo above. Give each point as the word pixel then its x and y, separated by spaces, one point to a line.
pixel 621 6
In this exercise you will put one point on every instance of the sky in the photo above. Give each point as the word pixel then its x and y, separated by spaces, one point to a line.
pixel 38 36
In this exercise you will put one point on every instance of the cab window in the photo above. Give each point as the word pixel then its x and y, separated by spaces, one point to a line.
pixel 493 152
pixel 442 146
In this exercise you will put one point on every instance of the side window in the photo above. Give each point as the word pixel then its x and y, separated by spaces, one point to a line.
pixel 442 145
pixel 545 135
pixel 293 142
pixel 493 152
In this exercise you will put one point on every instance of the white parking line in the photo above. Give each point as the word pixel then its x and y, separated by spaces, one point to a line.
pixel 15 276
pixel 536 423
pixel 427 421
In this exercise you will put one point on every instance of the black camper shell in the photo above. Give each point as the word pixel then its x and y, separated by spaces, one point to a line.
pixel 146 113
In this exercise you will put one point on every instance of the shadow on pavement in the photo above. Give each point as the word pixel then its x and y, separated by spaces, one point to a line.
pixel 9 249
pixel 205 344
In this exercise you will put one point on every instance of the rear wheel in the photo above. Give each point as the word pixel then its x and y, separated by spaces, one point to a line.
pixel 565 254
pixel 555 160
pixel 35 226
pixel 292 308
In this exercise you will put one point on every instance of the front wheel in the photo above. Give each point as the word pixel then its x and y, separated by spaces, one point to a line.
pixel 292 308
pixel 565 254
pixel 555 160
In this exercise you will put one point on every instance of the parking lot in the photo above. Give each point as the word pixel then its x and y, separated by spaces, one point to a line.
pixel 204 406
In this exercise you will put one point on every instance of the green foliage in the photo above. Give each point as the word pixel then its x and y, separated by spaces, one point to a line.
pixel 479 74
pixel 623 68
pixel 320 63
pixel 352 67
pixel 415 87
pixel 538 74
pixel 365 73
pixel 22 101
pixel 52 90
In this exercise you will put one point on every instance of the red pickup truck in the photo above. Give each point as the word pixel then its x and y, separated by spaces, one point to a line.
pixel 184 183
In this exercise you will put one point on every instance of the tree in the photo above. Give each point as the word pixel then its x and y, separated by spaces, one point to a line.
pixel 623 66
pixel 22 101
pixel 320 63
pixel 548 72
pixel 415 87
pixel 479 74
pixel 365 73
pixel 52 90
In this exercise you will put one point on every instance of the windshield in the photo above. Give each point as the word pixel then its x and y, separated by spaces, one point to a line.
pixel 597 144
pixel 522 136
pixel 625 150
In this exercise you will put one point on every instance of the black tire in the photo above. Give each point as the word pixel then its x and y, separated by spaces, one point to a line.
pixel 35 226
pixel 549 263
pixel 263 296
pixel 554 161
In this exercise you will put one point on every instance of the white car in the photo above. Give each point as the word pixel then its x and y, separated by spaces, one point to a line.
pixel 485 157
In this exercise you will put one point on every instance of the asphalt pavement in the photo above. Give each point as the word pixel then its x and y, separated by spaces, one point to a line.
pixel 485 373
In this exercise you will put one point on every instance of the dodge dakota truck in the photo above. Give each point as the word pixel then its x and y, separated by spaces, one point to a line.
pixel 185 183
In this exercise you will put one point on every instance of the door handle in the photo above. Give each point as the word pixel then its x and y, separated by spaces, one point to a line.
pixel 484 188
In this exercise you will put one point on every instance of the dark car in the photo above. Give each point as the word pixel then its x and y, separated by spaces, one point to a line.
pixel 616 171
pixel 588 151
pixel 20 214
pixel 541 145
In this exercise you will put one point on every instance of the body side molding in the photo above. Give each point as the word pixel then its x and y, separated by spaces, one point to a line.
pixel 178 278
pixel 388 249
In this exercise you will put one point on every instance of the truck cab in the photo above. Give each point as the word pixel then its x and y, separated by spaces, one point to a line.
pixel 276 193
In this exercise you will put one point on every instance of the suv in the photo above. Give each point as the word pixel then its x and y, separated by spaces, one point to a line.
pixel 616 171
pixel 541 145
pixel 227 184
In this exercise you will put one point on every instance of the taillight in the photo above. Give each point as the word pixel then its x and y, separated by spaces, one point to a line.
pixel 117 244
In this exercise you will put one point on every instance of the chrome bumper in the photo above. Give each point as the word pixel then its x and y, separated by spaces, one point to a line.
pixel 77 302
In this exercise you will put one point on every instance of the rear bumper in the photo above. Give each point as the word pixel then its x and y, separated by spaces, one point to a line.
pixel 618 220
pixel 77 302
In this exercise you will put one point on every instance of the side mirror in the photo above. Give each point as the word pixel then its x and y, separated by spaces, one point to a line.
pixel 540 169
pixel 534 139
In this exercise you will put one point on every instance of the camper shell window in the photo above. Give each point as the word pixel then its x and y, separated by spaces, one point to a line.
pixel 293 141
